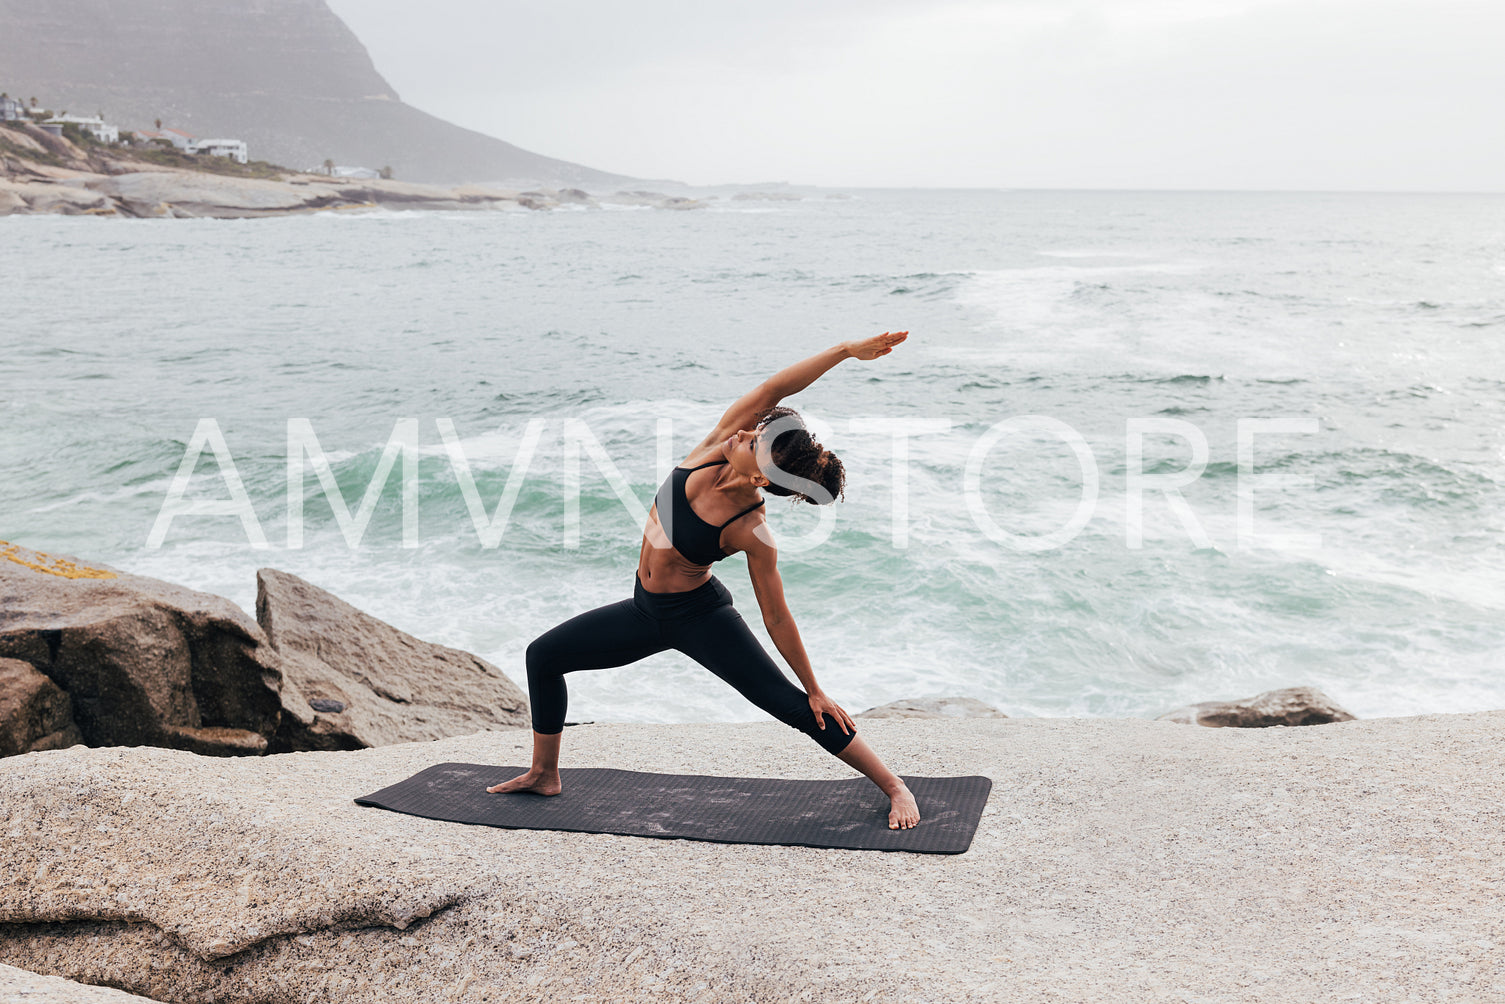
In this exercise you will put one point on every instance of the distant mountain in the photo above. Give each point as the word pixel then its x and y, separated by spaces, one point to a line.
pixel 286 76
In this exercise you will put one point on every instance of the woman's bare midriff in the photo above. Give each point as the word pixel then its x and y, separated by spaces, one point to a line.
pixel 662 569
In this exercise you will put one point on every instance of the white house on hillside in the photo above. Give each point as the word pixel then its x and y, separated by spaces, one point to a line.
pixel 95 126
pixel 235 149
pixel 11 110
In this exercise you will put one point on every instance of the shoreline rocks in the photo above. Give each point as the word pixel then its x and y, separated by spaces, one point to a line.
pixel 45 174
pixel 350 681
pixel 93 655
pixel 933 707
pixel 1292 706
pixel 142 661
pixel 171 194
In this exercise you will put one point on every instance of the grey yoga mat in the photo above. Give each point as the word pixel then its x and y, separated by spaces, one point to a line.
pixel 734 810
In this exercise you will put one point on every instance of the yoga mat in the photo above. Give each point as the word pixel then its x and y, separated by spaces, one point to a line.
pixel 850 814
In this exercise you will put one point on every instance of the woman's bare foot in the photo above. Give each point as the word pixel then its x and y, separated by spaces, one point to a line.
pixel 904 812
pixel 537 781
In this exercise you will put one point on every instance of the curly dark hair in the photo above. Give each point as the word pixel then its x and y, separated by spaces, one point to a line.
pixel 810 472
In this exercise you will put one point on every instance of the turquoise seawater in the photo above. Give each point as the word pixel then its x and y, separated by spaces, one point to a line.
pixel 1357 340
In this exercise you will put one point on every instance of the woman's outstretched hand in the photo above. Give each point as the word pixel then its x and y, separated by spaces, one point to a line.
pixel 879 345
pixel 823 705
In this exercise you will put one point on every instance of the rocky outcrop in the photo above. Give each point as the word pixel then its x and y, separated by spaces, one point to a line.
pixel 143 662
pixel 35 713
pixel 162 193
pixel 219 867
pixel 186 194
pixel 17 985
pixel 94 655
pixel 1124 853
pixel 1287 706
pixel 934 707
pixel 376 685
pixel 54 198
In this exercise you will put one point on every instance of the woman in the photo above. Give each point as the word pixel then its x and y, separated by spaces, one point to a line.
pixel 707 509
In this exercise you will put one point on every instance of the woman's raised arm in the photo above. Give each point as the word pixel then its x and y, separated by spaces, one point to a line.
pixel 792 379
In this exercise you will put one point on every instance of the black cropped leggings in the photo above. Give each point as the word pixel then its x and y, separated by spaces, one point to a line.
pixel 701 623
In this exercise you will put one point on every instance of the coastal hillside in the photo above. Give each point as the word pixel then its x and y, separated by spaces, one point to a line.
pixel 286 76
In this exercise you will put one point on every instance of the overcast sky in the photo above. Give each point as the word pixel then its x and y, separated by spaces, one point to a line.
pixel 1329 94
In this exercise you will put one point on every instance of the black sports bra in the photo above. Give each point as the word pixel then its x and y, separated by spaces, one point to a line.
pixel 693 537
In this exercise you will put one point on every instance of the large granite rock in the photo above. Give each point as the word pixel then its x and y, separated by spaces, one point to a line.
pixel 143 662
pixel 35 713
pixel 934 707
pixel 1358 862
pixel 95 655
pixel 376 684
pixel 1287 706
pixel 17 986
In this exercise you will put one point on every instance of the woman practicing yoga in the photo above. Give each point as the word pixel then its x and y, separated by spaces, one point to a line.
pixel 705 510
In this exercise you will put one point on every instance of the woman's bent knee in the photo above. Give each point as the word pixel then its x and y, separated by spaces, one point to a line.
pixel 536 656
pixel 545 657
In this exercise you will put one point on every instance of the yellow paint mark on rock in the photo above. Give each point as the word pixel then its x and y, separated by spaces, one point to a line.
pixel 39 562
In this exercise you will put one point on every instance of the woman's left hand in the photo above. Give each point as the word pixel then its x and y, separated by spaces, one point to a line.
pixel 868 349
pixel 823 705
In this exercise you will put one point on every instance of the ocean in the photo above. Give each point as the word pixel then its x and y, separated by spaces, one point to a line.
pixel 1141 449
